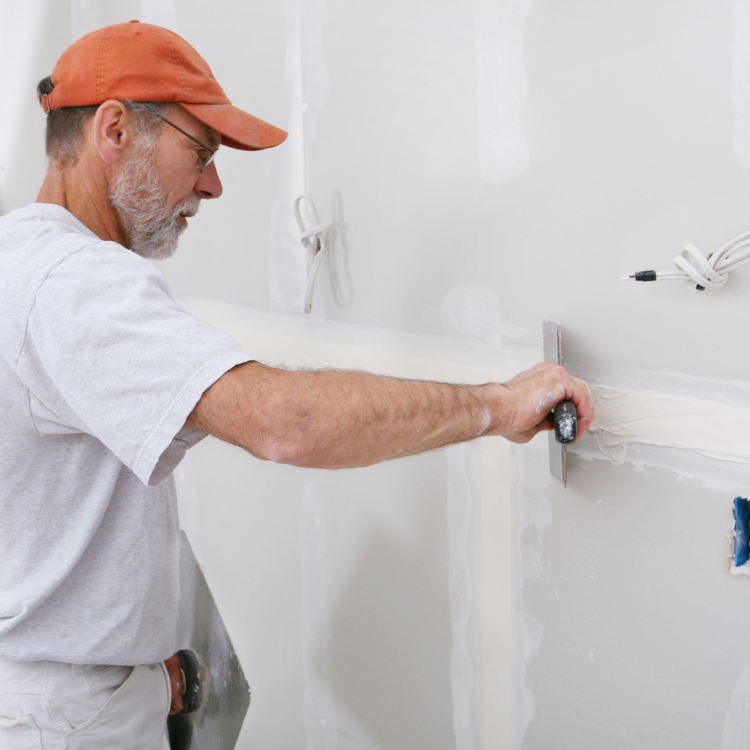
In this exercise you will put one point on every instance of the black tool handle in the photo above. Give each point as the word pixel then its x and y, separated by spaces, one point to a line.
pixel 192 694
pixel 565 419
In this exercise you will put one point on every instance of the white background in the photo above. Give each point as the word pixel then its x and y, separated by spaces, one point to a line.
pixel 629 631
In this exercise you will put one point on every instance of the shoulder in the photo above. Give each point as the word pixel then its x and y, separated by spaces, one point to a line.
pixel 36 239
pixel 45 248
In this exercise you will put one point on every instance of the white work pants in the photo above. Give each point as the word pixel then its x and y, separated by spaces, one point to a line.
pixel 49 705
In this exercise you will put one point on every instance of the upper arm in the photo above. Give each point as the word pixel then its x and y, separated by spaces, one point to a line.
pixel 106 351
pixel 249 407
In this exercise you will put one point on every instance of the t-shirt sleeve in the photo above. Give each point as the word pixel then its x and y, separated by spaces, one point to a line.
pixel 109 353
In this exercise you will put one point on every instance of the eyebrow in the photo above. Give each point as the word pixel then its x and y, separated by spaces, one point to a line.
pixel 210 138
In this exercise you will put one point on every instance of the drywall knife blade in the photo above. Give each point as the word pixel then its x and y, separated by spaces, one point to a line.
pixel 216 719
pixel 564 415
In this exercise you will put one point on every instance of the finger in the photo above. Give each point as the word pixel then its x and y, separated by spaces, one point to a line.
pixel 544 425
pixel 177 704
pixel 583 427
pixel 178 688
pixel 585 418
pixel 175 682
pixel 578 392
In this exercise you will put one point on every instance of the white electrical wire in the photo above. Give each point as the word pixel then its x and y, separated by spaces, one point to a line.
pixel 701 272
pixel 315 240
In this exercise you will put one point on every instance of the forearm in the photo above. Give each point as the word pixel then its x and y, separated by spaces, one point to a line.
pixel 338 419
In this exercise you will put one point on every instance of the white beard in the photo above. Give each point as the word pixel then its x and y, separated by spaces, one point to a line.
pixel 152 226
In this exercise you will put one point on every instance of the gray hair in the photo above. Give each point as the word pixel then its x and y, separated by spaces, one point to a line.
pixel 65 126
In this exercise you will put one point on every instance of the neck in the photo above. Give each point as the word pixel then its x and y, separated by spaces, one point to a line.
pixel 83 191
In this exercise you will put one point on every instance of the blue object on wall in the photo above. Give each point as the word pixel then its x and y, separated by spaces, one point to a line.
pixel 741 531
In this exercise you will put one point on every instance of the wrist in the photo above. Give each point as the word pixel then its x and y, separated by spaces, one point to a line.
pixel 498 409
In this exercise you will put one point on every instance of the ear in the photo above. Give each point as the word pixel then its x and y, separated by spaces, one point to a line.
pixel 112 130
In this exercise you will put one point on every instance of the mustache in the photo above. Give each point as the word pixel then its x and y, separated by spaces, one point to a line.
pixel 189 207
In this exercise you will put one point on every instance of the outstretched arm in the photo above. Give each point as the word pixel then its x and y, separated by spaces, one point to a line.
pixel 341 419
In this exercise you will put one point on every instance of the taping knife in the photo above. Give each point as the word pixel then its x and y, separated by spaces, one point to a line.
pixel 564 415
pixel 216 706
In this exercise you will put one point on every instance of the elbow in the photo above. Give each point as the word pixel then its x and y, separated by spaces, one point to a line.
pixel 286 451
pixel 286 434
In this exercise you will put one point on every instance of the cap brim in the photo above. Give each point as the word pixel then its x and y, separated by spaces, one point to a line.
pixel 238 129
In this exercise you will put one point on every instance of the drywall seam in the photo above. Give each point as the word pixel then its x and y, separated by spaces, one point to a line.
pixel 673 384
pixel 318 710
pixel 497 593
pixel 159 13
pixel 502 87
pixel 287 267
pixel 460 583
pixel 84 17
pixel 20 35
pixel 685 466
pixel 470 353
pixel 741 80
pixel 532 509
pixel 624 417
pixel 306 85
pixel 736 734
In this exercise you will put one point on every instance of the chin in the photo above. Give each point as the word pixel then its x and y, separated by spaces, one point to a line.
pixel 162 251
pixel 161 243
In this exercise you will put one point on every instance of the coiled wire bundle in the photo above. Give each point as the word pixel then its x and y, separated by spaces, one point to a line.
pixel 701 271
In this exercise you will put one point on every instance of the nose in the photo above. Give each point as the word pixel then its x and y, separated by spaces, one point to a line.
pixel 209 184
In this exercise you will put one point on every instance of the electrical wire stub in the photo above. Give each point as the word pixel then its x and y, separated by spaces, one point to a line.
pixel 315 240
pixel 701 271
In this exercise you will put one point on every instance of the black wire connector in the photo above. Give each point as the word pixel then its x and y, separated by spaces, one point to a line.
pixel 644 275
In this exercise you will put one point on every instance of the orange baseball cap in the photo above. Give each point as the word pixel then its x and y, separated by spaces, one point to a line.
pixel 146 63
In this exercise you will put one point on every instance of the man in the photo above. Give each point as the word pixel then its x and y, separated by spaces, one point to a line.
pixel 105 383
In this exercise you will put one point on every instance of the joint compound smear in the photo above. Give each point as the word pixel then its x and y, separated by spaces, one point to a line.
pixel 741 80
pixel 567 427
pixel 736 734
pixel 21 36
pixel 534 510
pixel 475 311
pixel 712 429
pixel 318 706
pixel 306 87
pixel 459 524
pixel 85 17
pixel 502 87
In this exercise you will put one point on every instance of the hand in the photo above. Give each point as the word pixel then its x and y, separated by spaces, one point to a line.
pixel 530 397
pixel 175 678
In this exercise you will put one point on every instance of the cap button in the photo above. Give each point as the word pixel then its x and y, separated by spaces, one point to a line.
pixel 135 20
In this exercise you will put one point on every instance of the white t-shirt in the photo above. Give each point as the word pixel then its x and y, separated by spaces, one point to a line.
pixel 99 369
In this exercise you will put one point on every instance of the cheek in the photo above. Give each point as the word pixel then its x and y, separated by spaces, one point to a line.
pixel 179 190
pixel 176 178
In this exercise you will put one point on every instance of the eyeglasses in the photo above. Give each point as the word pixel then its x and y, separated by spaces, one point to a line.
pixel 211 151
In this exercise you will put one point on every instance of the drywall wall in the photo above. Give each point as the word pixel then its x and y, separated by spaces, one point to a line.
pixel 486 164
pixel 629 122
pixel 409 562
